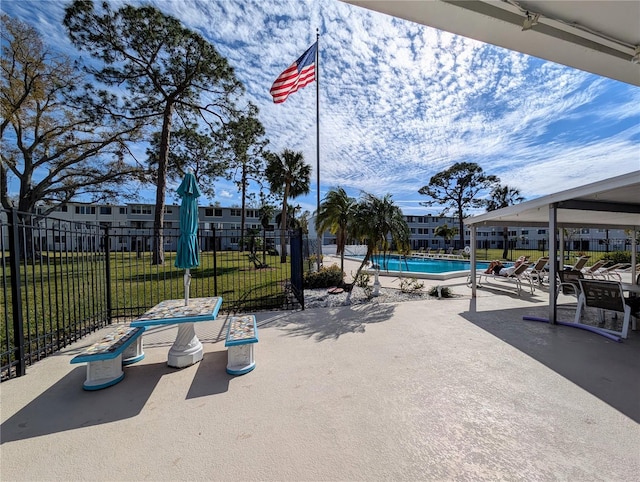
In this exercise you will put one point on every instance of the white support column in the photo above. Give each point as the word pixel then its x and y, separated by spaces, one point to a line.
pixel 472 261
pixel 553 258
pixel 634 256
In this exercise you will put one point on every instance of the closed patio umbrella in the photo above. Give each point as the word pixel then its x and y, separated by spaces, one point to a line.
pixel 187 255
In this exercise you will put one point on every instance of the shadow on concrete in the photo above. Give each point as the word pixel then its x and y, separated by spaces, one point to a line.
pixel 331 323
pixel 211 378
pixel 66 406
pixel 604 368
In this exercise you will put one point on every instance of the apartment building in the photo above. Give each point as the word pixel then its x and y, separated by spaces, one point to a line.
pixel 131 228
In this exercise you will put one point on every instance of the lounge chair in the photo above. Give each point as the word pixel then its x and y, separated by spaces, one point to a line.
pixel 579 264
pixel 612 272
pixel 537 272
pixel 516 277
pixel 450 253
pixel 592 271
pixel 256 262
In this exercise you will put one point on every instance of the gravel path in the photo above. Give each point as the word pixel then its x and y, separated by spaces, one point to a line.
pixel 320 298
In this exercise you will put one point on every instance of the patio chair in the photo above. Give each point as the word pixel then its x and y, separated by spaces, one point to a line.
pixel 253 257
pixel 592 271
pixel 516 277
pixel 537 272
pixel 633 300
pixel 569 283
pixel 604 296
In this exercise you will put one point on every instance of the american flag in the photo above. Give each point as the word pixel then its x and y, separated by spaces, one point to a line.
pixel 300 73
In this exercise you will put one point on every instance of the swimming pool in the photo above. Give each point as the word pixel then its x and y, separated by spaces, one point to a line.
pixel 428 268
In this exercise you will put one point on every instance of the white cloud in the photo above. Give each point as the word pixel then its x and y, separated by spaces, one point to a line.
pixel 400 102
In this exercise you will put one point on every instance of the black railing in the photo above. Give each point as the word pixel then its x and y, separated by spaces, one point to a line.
pixel 63 279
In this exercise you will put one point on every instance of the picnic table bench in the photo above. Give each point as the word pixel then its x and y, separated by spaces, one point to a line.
pixel 241 336
pixel 106 357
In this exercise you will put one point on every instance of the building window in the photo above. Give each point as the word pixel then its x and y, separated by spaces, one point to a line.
pixel 218 213
pixel 208 212
pixel 236 212
pixel 542 231
pixel 123 210
pixel 140 209
pixel 105 210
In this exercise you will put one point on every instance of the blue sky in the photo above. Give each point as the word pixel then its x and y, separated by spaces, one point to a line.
pixel 400 102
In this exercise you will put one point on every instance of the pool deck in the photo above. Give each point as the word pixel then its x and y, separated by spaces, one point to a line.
pixel 451 389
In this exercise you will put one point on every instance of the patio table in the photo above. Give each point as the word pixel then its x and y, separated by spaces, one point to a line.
pixel 630 287
pixel 186 349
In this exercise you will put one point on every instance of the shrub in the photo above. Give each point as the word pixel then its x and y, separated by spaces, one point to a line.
pixel 410 285
pixel 326 277
pixel 445 292
pixel 619 257
pixel 313 259
pixel 362 281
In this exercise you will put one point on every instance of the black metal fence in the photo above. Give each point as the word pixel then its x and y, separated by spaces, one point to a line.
pixel 64 279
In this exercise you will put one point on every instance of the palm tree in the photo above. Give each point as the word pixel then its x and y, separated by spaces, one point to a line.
pixel 335 215
pixel 374 221
pixel 501 197
pixel 288 174
pixel 446 232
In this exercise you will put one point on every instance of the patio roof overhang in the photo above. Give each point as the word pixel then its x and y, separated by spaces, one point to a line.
pixel 597 37
pixel 612 203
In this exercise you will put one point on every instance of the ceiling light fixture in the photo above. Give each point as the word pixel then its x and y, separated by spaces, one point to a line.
pixel 530 21
pixel 636 56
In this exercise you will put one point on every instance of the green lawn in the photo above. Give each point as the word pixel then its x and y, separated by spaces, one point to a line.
pixel 64 295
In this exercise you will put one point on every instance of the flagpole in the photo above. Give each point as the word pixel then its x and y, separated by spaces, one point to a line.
pixel 318 234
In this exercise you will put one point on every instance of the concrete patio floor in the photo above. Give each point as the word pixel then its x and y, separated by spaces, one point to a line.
pixel 452 389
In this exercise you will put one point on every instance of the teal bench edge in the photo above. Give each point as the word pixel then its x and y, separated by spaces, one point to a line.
pixel 112 352
pixel 250 367
pixel 243 341
pixel 115 350
pixel 240 352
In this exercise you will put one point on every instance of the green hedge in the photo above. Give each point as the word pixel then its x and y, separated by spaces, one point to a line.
pixel 326 277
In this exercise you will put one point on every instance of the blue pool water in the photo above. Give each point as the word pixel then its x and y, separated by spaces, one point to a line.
pixel 424 265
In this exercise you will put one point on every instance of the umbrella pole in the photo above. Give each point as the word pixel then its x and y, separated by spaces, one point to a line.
pixel 187 283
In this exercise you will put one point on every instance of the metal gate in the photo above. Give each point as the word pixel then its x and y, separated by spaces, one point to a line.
pixel 297 268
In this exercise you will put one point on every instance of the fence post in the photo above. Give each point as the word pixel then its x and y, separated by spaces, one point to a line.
pixel 215 264
pixel 16 293
pixel 107 267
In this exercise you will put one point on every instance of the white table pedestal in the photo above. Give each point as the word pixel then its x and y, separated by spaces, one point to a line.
pixel 187 349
